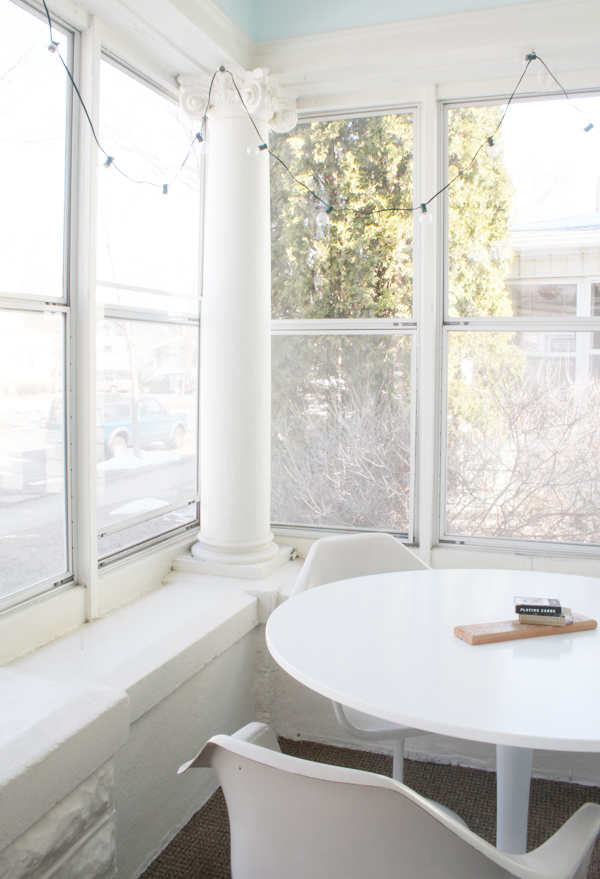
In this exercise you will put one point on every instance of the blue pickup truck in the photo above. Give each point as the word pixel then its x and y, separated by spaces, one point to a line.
pixel 114 424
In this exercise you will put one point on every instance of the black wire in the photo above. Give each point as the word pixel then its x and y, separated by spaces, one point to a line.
pixel 529 58
pixel 113 164
pixel 210 88
pixel 281 162
pixel 358 211
pixel 71 78
pixel 362 212
pixel 296 180
pixel 575 107
pixel 49 21
pixel 202 126
pixel 485 143
pixel 235 85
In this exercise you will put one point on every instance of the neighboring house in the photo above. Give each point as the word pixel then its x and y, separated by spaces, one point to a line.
pixel 556 272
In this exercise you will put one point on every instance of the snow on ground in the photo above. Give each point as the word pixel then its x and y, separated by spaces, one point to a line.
pixel 129 461
pixel 143 505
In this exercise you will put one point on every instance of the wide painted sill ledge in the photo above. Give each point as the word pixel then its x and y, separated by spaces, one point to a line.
pixel 68 707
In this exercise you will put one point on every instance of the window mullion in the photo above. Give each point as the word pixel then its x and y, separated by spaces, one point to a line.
pixel 84 303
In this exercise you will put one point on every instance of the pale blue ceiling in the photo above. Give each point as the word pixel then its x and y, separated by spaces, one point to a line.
pixel 274 19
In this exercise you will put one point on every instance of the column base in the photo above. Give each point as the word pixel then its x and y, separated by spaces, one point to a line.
pixel 256 570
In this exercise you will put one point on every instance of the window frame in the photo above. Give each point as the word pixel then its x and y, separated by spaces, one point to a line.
pixel 79 250
pixel 410 326
pixel 23 302
pixel 161 316
pixel 576 323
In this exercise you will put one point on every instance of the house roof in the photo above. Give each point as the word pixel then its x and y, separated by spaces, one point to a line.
pixel 579 223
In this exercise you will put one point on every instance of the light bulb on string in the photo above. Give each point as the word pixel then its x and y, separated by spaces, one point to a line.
pixel 53 47
pixel 425 218
pixel 492 148
pixel 165 189
pixel 323 217
pixel 203 146
pixel 255 149
pixel 581 134
pixel 104 166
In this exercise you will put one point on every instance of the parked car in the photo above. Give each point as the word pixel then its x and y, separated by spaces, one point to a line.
pixel 114 425
pixel 113 384
pixel 169 383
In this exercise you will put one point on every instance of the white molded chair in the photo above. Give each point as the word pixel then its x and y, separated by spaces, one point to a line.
pixel 355 555
pixel 295 819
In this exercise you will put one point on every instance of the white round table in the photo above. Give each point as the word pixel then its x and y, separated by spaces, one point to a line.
pixel 384 644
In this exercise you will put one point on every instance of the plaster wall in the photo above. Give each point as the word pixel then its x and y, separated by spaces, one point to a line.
pixel 152 802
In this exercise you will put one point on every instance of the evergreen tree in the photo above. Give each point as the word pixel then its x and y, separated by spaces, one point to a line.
pixel 341 403
pixel 360 265
pixel 479 207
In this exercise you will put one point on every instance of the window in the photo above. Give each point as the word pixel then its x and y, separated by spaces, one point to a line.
pixel 522 391
pixel 344 334
pixel 146 359
pixel 35 108
pixel 147 347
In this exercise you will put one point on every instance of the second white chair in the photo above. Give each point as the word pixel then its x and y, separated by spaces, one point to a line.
pixel 342 558
pixel 295 819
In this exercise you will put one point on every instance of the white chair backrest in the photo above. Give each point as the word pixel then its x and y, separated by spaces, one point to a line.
pixel 354 555
pixel 294 819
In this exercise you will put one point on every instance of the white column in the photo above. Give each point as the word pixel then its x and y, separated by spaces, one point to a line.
pixel 235 384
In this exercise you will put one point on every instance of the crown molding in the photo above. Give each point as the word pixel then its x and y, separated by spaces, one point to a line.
pixel 180 36
pixel 210 19
pixel 515 12
pixel 457 53
pixel 463 54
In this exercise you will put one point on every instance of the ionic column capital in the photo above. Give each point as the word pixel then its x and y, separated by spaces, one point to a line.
pixel 261 94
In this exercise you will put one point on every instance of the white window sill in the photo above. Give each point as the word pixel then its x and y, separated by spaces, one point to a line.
pixel 68 707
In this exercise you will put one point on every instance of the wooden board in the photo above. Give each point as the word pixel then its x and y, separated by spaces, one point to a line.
pixel 512 630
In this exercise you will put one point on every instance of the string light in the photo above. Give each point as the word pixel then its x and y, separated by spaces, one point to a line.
pixel 492 148
pixel 254 150
pixel 425 216
pixel 323 217
pixel 203 145
pixel 104 166
pixel 110 162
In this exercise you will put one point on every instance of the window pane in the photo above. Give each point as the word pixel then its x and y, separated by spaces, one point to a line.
pixel 543 300
pixel 147 417
pixel 146 239
pixel 524 226
pixel 161 525
pixel 360 263
pixel 341 431
pixel 523 436
pixel 33 522
pixel 33 108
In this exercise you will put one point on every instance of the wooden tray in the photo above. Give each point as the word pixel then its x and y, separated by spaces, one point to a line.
pixel 512 630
